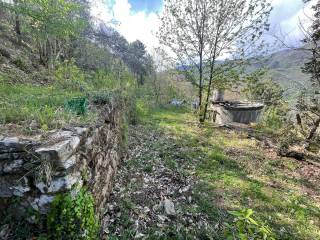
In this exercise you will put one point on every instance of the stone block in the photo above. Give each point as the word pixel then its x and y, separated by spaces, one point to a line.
pixel 60 184
pixel 13 166
pixel 60 152
pixel 15 145
pixel 12 156
pixel 42 203
pixel 10 186
pixel 21 188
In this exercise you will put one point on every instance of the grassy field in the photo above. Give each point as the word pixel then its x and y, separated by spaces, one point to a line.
pixel 234 172
pixel 45 106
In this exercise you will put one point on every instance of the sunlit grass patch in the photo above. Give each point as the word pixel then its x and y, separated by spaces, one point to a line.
pixel 22 104
pixel 236 173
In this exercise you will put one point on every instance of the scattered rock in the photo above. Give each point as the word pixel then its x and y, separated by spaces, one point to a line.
pixel 60 184
pixel 169 207
pixel 42 203
pixel 5 232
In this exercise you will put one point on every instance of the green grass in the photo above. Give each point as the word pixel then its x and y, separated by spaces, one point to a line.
pixel 237 174
pixel 21 104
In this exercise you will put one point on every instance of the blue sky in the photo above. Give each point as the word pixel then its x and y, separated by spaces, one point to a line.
pixel 145 5
pixel 138 19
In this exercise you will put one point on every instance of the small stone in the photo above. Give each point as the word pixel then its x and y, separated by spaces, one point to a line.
pixel 22 188
pixel 68 163
pixel 5 232
pixel 139 235
pixel 162 218
pixel 60 184
pixel 169 207
pixel 81 131
pixel 10 186
pixel 13 166
pixel 42 203
pixel 34 125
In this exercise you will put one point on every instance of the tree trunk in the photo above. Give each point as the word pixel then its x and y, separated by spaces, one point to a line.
pixel 200 85
pixel 209 87
pixel 17 26
pixel 314 129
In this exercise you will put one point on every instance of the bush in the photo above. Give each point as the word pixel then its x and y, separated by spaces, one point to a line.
pixel 69 76
pixel 274 117
pixel 19 63
pixel 102 97
pixel 245 227
pixel 73 217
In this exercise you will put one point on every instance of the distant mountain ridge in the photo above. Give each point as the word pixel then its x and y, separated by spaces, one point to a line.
pixel 285 68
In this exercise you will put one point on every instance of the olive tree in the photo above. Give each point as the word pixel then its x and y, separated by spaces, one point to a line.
pixel 198 32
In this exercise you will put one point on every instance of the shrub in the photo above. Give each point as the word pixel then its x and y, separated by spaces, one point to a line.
pixel 69 76
pixel 19 63
pixel 73 217
pixel 102 97
pixel 246 227
pixel 274 117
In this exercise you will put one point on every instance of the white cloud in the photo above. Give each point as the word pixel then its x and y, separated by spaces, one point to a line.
pixel 132 25
pixel 287 18
pixel 100 11
pixel 143 25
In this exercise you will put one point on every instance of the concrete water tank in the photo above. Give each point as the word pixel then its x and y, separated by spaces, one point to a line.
pixel 236 111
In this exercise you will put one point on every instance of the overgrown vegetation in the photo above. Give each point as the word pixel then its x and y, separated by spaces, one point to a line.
pixel 271 94
pixel 235 173
pixel 48 75
pixel 72 216
pixel 58 68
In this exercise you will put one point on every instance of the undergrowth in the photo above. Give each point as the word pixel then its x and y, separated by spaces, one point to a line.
pixel 52 105
pixel 73 217
pixel 236 174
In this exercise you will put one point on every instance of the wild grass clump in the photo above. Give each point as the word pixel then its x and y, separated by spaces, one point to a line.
pixel 58 103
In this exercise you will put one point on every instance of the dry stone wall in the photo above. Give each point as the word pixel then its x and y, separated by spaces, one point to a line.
pixel 35 170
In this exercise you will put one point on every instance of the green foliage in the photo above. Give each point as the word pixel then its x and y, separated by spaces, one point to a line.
pixel 21 64
pixel 266 91
pixel 58 18
pixel 69 76
pixel 246 227
pixel 22 104
pixel 271 94
pixel 275 117
pixel 49 24
pixel 73 217
pixel 102 97
pixel 117 79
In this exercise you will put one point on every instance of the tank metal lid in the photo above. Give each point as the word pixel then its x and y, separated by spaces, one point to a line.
pixel 240 105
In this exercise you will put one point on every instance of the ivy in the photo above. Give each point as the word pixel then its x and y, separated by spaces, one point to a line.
pixel 73 217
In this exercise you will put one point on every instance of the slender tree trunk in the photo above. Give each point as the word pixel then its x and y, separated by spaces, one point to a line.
pixel 17 24
pixel 212 65
pixel 200 84
pixel 209 91
pixel 314 129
